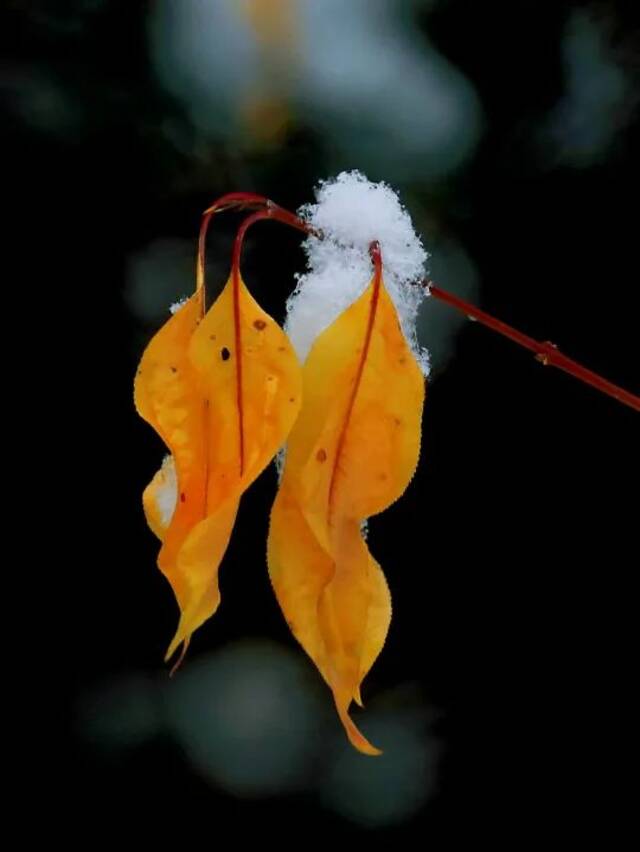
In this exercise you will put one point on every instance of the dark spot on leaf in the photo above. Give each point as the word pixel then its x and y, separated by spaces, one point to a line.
pixel 402 360
pixel 174 369
pixel 397 421
pixel 182 497
pixel 259 324
pixel 225 354
pixel 282 348
pixel 212 337
pixel 321 455
pixel 292 399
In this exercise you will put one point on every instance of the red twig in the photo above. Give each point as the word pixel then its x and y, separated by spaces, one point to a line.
pixel 230 201
pixel 547 353
pixel 266 209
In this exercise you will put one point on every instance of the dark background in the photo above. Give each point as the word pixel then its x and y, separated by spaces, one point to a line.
pixel 511 558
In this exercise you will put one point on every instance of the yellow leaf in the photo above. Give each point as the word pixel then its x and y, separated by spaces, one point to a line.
pixel 222 390
pixel 351 453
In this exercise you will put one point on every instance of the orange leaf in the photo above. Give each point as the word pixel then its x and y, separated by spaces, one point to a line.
pixel 351 453
pixel 222 390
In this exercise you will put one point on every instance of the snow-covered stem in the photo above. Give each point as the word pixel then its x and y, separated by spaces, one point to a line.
pixel 545 352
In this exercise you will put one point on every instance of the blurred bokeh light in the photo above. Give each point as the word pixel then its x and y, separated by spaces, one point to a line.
pixel 355 71
pixel 253 720
pixel 247 717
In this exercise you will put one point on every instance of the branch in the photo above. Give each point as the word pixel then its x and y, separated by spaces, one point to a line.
pixel 547 353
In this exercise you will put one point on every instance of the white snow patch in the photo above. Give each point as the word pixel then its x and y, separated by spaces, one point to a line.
pixel 175 307
pixel 279 460
pixel 167 493
pixel 351 212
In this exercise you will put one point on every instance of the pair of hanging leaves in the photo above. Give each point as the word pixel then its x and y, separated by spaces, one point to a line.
pixel 225 391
